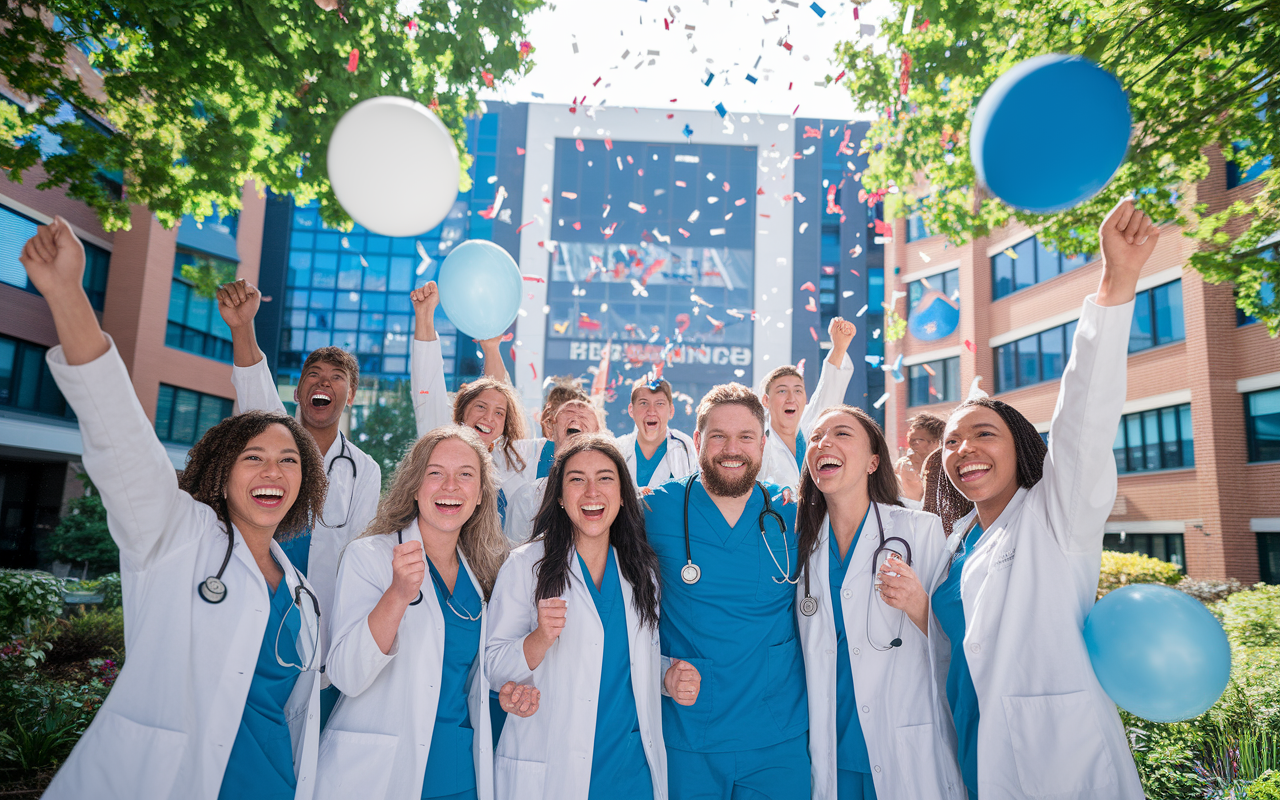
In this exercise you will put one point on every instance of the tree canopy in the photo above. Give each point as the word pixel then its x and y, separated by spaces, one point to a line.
pixel 198 98
pixel 1199 74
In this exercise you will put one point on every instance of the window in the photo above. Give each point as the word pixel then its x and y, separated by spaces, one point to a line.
pixel 1266 292
pixel 16 229
pixel 1027 263
pixel 1262 424
pixel 947 282
pixel 1157 317
pixel 1156 439
pixel 934 382
pixel 1269 557
pixel 25 380
pixel 183 416
pixel 1237 175
pixel 916 228
pixel 1040 357
pixel 194 322
pixel 1164 546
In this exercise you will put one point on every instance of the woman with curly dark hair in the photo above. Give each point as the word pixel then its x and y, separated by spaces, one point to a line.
pixel 575 612
pixel 220 695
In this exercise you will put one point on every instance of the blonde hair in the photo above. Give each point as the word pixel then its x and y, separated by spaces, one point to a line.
pixel 513 424
pixel 481 540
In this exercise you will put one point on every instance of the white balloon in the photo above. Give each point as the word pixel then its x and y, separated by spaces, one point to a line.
pixel 393 166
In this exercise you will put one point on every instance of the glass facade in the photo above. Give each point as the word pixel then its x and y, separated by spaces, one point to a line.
pixel 1157 317
pixel 16 229
pixel 948 283
pixel 194 323
pixel 1269 557
pixel 183 416
pixel 1027 263
pixel 1267 291
pixel 916 229
pixel 934 382
pixel 1164 546
pixel 26 382
pixel 1262 424
pixel 1156 439
pixel 1040 357
pixel 655 253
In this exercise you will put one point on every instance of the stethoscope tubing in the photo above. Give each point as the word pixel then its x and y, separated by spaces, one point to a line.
pixel 691 573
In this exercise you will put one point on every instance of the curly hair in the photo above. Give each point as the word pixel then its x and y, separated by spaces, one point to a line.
pixel 1029 451
pixel 513 424
pixel 940 496
pixel 480 540
pixel 210 461
pixel 931 424
pixel 637 562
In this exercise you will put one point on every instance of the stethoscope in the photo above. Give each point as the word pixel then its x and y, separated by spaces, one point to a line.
pixel 691 573
pixel 809 604
pixel 342 454
pixel 444 590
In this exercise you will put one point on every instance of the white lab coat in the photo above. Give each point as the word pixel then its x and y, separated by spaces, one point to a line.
pixel 901 707
pixel 379 735
pixel 549 754
pixel 352 498
pixel 431 409
pixel 168 725
pixel 1047 728
pixel 680 461
pixel 522 507
pixel 779 465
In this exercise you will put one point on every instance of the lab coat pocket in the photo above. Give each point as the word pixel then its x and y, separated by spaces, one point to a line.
pixel 518 780
pixel 785 698
pixel 917 746
pixel 153 756
pixel 1058 746
pixel 354 764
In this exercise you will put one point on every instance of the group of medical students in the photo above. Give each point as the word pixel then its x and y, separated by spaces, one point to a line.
pixel 752 612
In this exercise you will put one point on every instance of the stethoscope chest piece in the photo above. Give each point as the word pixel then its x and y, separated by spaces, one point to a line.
pixel 213 590
pixel 809 606
pixel 690 573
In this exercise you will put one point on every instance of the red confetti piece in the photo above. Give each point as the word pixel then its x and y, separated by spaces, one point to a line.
pixel 760 190
pixel 681 184
pixel 789 85
pixel 726 186
pixel 970 346
pixel 683 231
pixel 534 279
pixel 766 216
pixel 577 226
pixel 488 78
pixel 519 151
pixel 813 333
pixel 828 270
pixel 787 46
pixel 640 172
pixel 671 116
pixel 579 145
pixel 740 201
pixel 512 351
pixel 812 305
pixel 508 336
pixel 608 144
pixel 522 227
pixel 353 60
pixel 597 81
pixel 535 370
pixel 630 160
pixel 423 391
pixel 794 110
pixel 841 75
pixel 808 286
pixel 812 133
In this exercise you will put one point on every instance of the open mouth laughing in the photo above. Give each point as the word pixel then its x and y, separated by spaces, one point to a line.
pixel 268 496
pixel 593 511
pixel 829 465
pixel 973 471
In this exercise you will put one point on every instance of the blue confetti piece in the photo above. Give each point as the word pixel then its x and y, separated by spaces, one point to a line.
pixel 721 110
pixel 751 78
pixel 687 131
pixel 710 78
pixel 817 9
pixel 538 95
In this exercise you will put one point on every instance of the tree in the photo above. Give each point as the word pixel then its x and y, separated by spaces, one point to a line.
pixel 1199 73
pixel 82 535
pixel 200 97
pixel 388 429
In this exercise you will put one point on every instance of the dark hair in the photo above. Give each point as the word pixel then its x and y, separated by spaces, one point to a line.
pixel 339 358
pixel 729 394
pixel 1029 450
pixel 563 388
pixel 882 485
pixel 932 424
pixel 656 387
pixel 940 496
pixel 636 560
pixel 513 423
pixel 784 371
pixel 210 461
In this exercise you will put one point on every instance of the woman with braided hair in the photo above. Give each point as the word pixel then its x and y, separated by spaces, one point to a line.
pixel 1031 719
pixel 940 497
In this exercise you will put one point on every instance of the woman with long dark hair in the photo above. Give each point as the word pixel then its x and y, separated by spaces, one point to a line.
pixel 877 727
pixel 1030 716
pixel 575 613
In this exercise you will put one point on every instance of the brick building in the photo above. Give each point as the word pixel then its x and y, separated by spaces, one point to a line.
pixel 1199 445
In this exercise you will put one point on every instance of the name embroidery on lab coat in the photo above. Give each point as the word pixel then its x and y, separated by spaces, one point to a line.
pixel 1004 559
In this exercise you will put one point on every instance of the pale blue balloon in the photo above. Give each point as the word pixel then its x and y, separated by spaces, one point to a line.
pixel 1158 653
pixel 480 288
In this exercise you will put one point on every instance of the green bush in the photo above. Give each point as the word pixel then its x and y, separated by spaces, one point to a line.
pixel 1266 788
pixel 40 721
pixel 27 600
pixel 109 587
pixel 1252 619
pixel 93 634
pixel 1122 569
pixel 82 535
pixel 1210 590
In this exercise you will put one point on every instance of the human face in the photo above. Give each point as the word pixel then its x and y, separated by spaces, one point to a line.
pixel 785 401
pixel 450 489
pixel 840 456
pixel 264 481
pixel 979 457
pixel 651 412
pixel 574 417
pixel 920 446
pixel 323 391
pixel 730 450
pixel 487 414
pixel 591 494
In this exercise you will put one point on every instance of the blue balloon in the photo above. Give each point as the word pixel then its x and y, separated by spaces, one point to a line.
pixel 1158 653
pixel 480 288
pixel 1050 133
pixel 936 316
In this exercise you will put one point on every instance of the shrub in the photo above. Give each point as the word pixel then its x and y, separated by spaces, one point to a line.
pixel 1122 569
pixel 1252 619
pixel 1266 788
pixel 27 599
pixel 109 587
pixel 82 535
pixel 1210 590
pixel 93 634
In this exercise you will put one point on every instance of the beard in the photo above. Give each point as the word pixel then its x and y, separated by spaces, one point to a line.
pixel 717 483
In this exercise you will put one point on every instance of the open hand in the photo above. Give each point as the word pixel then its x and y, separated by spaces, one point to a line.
pixel 519 699
pixel 682 682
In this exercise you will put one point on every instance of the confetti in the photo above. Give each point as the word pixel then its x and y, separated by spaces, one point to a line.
pixel 929 370
pixel 353 60
pixel 579 145
pixel 534 279
pixel 861 311
pixel 817 9
pixel 884 397
pixel 970 346
pixel 717 231
pixel 812 305
pixel 488 76
pixel 812 331
pixel 639 207
pixel 687 133
pixel 742 201
pixel 524 225
pixel 1008 251
pixel 808 286
pixel 720 109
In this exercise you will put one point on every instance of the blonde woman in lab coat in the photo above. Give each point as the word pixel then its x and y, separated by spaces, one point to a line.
pixel 409 634
pixel 877 725
pixel 575 613
pixel 220 697
pixel 1030 716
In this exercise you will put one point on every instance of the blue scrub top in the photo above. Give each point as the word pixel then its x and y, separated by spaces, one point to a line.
pixel 963 698
pixel 450 767
pixel 298 549
pixel 736 625
pixel 619 768
pixel 260 766
pixel 645 467
pixel 546 458
pixel 851 744
pixel 801 449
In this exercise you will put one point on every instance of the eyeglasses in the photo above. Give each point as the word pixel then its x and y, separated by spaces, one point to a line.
pixel 307 639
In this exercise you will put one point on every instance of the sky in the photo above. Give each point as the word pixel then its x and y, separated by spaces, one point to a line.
pixel 620 53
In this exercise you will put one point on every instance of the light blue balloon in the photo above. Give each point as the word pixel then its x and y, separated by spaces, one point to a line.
pixel 480 288
pixel 1157 652
pixel 1050 133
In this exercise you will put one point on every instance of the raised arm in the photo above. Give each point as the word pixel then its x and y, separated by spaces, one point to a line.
pixel 426 363
pixel 121 452
pixel 238 303
pixel 1079 483
pixel 494 366
pixel 837 370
